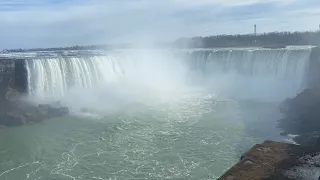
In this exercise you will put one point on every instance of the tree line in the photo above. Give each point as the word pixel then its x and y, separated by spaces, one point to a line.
pixel 272 39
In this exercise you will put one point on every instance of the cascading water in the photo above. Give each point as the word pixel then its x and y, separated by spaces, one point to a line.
pixel 177 114
pixel 253 73
pixel 56 76
pixel 226 68
pixel 280 63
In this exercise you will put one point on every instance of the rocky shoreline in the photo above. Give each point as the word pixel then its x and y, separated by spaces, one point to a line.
pixel 18 114
pixel 276 161
pixel 14 110
pixel 301 116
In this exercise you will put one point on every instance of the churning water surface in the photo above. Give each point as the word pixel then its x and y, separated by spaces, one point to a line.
pixel 145 119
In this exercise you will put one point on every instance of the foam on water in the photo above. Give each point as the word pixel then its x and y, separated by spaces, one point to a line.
pixel 151 114
pixel 241 73
pixel 168 140
pixel 309 170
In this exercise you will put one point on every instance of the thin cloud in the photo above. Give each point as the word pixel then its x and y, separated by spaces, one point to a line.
pixel 232 3
pixel 39 23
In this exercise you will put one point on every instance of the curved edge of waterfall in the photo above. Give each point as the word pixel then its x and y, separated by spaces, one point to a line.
pixel 301 113
pixel 288 69
pixel 41 77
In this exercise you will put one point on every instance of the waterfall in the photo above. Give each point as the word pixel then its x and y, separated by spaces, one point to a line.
pixel 57 75
pixel 278 63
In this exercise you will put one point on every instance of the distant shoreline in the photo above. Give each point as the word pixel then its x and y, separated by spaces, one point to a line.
pixel 266 40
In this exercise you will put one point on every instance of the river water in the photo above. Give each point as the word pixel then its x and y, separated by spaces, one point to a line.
pixel 147 119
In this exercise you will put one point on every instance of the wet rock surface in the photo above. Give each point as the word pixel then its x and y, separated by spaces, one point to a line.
pixel 20 113
pixel 301 116
pixel 281 161
pixel 14 111
pixel 276 161
pixel 303 163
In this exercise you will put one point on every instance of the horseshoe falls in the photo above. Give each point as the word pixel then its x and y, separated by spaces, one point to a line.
pixel 254 73
pixel 275 68
pixel 151 114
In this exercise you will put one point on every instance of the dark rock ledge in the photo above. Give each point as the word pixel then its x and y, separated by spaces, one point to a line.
pixel 275 161
pixel 22 113
pixel 301 116
pixel 15 111
pixel 282 161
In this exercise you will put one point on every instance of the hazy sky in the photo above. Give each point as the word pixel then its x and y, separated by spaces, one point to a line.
pixel 48 23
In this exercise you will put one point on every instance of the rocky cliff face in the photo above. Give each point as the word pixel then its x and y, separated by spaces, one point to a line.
pixel 14 111
pixel 3 85
pixel 6 73
pixel 276 161
pixel 302 116
pixel 313 73
pixel 21 113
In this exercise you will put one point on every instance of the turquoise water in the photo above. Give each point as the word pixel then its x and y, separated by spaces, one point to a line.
pixel 150 114
pixel 198 136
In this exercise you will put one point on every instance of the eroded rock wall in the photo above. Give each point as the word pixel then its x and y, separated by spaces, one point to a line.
pixel 313 72
pixel 301 114
pixel 276 161
pixel 6 77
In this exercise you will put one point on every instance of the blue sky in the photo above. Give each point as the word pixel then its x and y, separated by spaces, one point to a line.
pixel 50 23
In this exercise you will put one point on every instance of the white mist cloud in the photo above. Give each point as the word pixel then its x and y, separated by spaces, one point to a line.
pixel 46 23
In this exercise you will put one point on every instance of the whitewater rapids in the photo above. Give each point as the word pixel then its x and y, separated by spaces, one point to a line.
pixel 151 114
pixel 271 74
